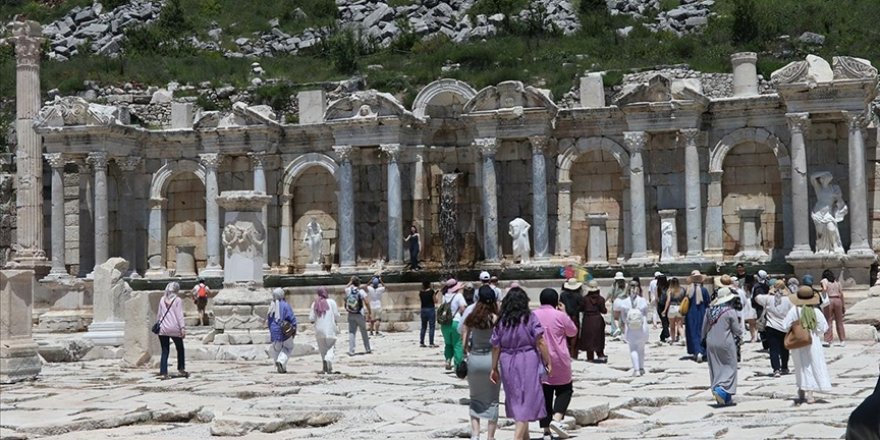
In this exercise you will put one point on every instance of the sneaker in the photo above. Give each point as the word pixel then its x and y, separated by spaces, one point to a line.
pixel 558 428
pixel 278 367
pixel 422 346
pixel 785 371
pixel 776 373
pixel 642 372
pixel 826 344
pixel 842 344
pixel 722 397
pixel 351 353
pixel 700 357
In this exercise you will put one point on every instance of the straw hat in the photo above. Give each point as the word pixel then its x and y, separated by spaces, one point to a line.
pixel 456 287
pixel 724 295
pixel 696 277
pixel 619 276
pixel 592 286
pixel 723 280
pixel 572 284
pixel 805 296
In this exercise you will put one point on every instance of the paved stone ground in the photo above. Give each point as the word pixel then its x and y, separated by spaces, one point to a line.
pixel 402 392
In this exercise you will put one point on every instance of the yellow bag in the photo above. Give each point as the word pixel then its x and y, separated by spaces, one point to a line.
pixel 685 305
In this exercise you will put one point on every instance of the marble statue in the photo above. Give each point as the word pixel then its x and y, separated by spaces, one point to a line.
pixel 518 229
pixel 828 211
pixel 312 238
pixel 667 238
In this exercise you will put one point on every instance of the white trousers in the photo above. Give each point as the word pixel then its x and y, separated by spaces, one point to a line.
pixel 326 346
pixel 280 351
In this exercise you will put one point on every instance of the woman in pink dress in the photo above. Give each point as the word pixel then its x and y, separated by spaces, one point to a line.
pixel 519 350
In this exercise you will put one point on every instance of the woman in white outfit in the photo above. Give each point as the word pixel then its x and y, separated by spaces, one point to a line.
pixel 635 314
pixel 324 314
pixel 811 372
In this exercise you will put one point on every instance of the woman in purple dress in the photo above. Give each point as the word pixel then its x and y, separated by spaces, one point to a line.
pixel 518 346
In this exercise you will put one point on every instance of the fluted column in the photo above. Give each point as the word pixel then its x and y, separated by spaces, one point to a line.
pixel 798 123
pixel 395 205
pixel 285 251
pixel 211 161
pixel 258 159
pixel 347 255
pixel 714 220
pixel 86 219
pixel 28 156
pixel 422 200
pixel 858 192
pixel 127 209
pixel 693 193
pixel 540 226
pixel 98 161
pixel 636 142
pixel 488 148
pixel 563 218
pixel 56 161
pixel 156 240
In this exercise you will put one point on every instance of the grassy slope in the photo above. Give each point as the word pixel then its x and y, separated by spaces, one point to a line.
pixel 550 61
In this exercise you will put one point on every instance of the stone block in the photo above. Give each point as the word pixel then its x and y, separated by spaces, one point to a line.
pixel 140 315
pixel 18 352
pixel 312 105
pixel 592 91
pixel 181 115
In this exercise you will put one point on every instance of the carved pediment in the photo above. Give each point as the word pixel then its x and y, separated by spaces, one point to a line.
pixel 240 116
pixel 660 88
pixel 853 68
pixel 509 95
pixel 366 106
pixel 813 70
pixel 72 110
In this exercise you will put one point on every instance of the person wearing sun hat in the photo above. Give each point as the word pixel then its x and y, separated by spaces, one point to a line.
pixel 572 297
pixel 811 372
pixel 776 306
pixel 720 332
pixel 592 338
pixel 453 351
pixel 698 298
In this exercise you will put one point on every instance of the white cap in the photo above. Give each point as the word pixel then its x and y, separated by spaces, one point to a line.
pixel 484 276
pixel 657 274
pixel 618 276
pixel 762 274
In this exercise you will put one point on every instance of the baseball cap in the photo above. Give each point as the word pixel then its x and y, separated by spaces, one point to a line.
pixel 484 276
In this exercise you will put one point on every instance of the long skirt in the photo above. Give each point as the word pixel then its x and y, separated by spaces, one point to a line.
pixel 484 394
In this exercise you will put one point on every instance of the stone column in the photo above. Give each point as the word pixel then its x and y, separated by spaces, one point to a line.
pixel 636 142
pixel 56 161
pixel 798 123
pixel 98 161
pixel 19 359
pixel 745 73
pixel 487 148
pixel 563 211
pixel 128 209
pixel 347 255
pixel 156 240
pixel 693 193
pixel 86 219
pixel 750 237
pixel 626 220
pixel 540 227
pixel 259 161
pixel 858 192
pixel 598 247
pixel 668 235
pixel 286 236
pixel 422 201
pixel 28 156
pixel 211 161
pixel 395 208
pixel 714 220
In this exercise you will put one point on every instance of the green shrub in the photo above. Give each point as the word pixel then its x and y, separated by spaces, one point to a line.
pixel 592 6
pixel 668 5
pixel 745 22
pixel 345 48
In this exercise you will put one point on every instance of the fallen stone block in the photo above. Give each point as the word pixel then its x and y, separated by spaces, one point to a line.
pixel 591 415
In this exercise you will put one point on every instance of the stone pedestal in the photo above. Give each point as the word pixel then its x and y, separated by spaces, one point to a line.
pixel 18 351
pixel 668 236
pixel 69 301
pixel 240 308
pixel 140 342
pixel 745 73
pixel 856 268
pixel 751 236
pixel 597 252
pixel 185 261
pixel 111 293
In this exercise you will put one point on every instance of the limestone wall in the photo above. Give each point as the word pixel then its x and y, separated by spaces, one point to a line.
pixel 185 218
pixel 596 187
pixel 513 168
pixel 664 187
pixel 314 195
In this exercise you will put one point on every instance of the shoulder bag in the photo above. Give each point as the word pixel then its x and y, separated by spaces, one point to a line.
pixel 685 305
pixel 797 336
pixel 157 327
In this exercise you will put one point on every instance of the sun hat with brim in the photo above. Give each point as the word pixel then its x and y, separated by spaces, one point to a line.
pixel 696 275
pixel 593 286
pixel 454 289
pixel 619 276
pixel 805 296
pixel 572 284
pixel 724 295
pixel 451 282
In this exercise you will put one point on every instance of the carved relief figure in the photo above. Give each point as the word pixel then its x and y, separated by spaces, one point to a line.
pixel 242 237
pixel 828 211
pixel 518 229
pixel 312 238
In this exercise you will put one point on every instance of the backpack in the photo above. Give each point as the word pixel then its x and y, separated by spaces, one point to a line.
pixel 634 318
pixel 353 301
pixel 444 313
pixel 203 291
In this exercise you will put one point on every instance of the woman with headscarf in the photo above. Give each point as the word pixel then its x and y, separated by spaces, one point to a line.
pixel 811 372
pixel 520 358
pixel 477 329
pixel 592 338
pixel 698 299
pixel 834 307
pixel 172 327
pixel 776 307
pixel 281 345
pixel 720 332
pixel 761 287
pixel 324 313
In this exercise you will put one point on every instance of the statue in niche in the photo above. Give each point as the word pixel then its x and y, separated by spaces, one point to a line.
pixel 667 237
pixel 828 211
pixel 518 229
pixel 312 238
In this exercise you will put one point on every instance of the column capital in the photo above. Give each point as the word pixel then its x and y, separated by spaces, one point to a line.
pixel 486 146
pixel 635 140
pixel 56 160
pixel 285 198
pixel 211 160
pixel 392 150
pixel 27 37
pixel 258 159
pixel 798 122
pixel 128 163
pixel 539 144
pixel 689 136
pixel 420 152
pixel 98 160
pixel 856 120
pixel 343 152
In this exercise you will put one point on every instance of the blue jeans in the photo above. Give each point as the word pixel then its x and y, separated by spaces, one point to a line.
pixel 166 348
pixel 429 319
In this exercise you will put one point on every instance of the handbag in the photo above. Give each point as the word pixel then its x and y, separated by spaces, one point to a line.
pixel 797 336
pixel 287 330
pixel 685 305
pixel 462 369
pixel 157 327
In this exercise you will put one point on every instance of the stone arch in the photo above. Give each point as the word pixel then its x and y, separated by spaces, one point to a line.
pixel 302 163
pixel 751 134
pixel 436 89
pixel 168 170
pixel 572 149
